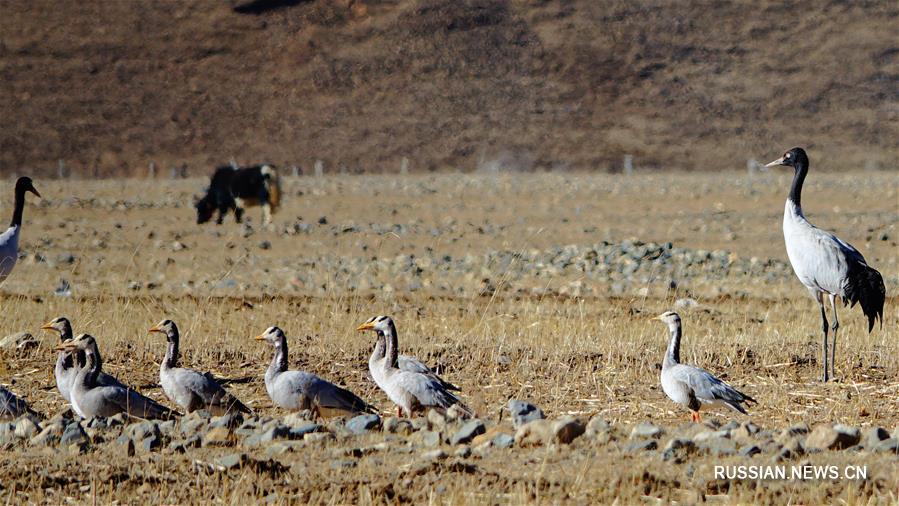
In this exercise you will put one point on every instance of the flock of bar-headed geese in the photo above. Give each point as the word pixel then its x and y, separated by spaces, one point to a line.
pixel 827 266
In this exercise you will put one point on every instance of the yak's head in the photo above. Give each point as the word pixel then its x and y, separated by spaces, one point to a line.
pixel 205 207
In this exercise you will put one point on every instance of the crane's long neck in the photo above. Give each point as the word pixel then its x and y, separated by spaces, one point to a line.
pixel 391 345
pixel 801 169
pixel 171 353
pixel 17 209
pixel 672 356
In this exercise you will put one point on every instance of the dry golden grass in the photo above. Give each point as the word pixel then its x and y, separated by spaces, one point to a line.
pixel 595 355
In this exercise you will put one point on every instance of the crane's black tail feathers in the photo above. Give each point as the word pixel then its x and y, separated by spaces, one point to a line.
pixel 865 286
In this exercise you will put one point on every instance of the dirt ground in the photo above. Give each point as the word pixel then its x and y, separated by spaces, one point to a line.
pixel 132 255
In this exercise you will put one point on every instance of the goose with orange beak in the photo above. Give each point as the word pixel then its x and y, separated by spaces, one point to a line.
pixel 299 390
pixel 689 385
pixel 410 391
pixel 188 388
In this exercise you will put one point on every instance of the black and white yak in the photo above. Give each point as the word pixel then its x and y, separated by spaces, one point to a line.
pixel 237 189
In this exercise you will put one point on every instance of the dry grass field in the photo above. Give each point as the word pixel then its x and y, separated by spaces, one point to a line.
pixel 499 325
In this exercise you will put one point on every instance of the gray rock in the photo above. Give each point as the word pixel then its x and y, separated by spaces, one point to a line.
pixel 677 448
pixel 436 420
pixel 420 423
pixel 467 432
pixel 269 435
pixel 567 429
pixel 299 432
pixel 597 425
pixel 219 436
pixel 838 437
pixel 151 442
pixel 363 423
pixel 463 452
pixel 73 434
pixel 646 430
pixel 191 425
pixel 299 418
pixel 231 461
pixel 874 436
pixel 434 455
pixel 318 437
pixel 166 428
pixel 641 446
pixel 140 430
pixel 503 440
pixel 718 446
pixel 395 425
pixel 26 428
pixel 523 412
pixel 229 420
pixel 890 445
pixel 796 430
pixel 126 444
pixel 20 341
pixel 749 451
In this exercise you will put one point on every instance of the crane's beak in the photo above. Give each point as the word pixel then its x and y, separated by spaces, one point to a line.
pixel 48 326
pixel 155 329
pixel 34 191
pixel 775 163
pixel 365 326
pixel 260 337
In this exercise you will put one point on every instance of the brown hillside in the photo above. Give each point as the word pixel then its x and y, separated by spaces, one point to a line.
pixel 109 86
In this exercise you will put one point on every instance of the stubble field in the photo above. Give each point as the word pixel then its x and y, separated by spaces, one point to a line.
pixel 534 287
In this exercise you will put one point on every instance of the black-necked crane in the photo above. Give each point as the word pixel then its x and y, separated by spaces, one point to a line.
pixel 825 264
pixel 9 240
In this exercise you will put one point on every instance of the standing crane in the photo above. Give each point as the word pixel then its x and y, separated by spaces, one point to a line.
pixel 824 263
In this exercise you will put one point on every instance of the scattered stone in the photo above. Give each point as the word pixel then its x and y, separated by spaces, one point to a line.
pixel 646 430
pixel 710 435
pixel 837 437
pixel 298 418
pixel 267 435
pixel 420 424
pixel 20 341
pixel 597 426
pixel 299 432
pixel 686 303
pixel 567 429
pixel 890 445
pixel 229 420
pixel 503 440
pixel 231 461
pixel 363 423
pixel 749 451
pixel 874 436
pixel 73 434
pixel 318 437
pixel 436 420
pixel 536 432
pixel 463 452
pixel 718 446
pixel 434 455
pixel 745 432
pixel 26 428
pixel 641 446
pixel 140 430
pixel 49 435
pixel 677 449
pixel 523 412
pixel 427 438
pixel 467 432
pixel 796 430
pixel 219 436
pixel 395 425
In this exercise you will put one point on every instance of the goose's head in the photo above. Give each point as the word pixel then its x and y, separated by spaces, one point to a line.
pixel 166 327
pixel 272 335
pixel 378 324
pixel 671 318
pixel 24 184
pixel 59 324
pixel 791 158
pixel 83 342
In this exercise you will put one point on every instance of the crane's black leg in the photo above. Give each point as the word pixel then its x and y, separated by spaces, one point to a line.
pixel 834 327
pixel 820 298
